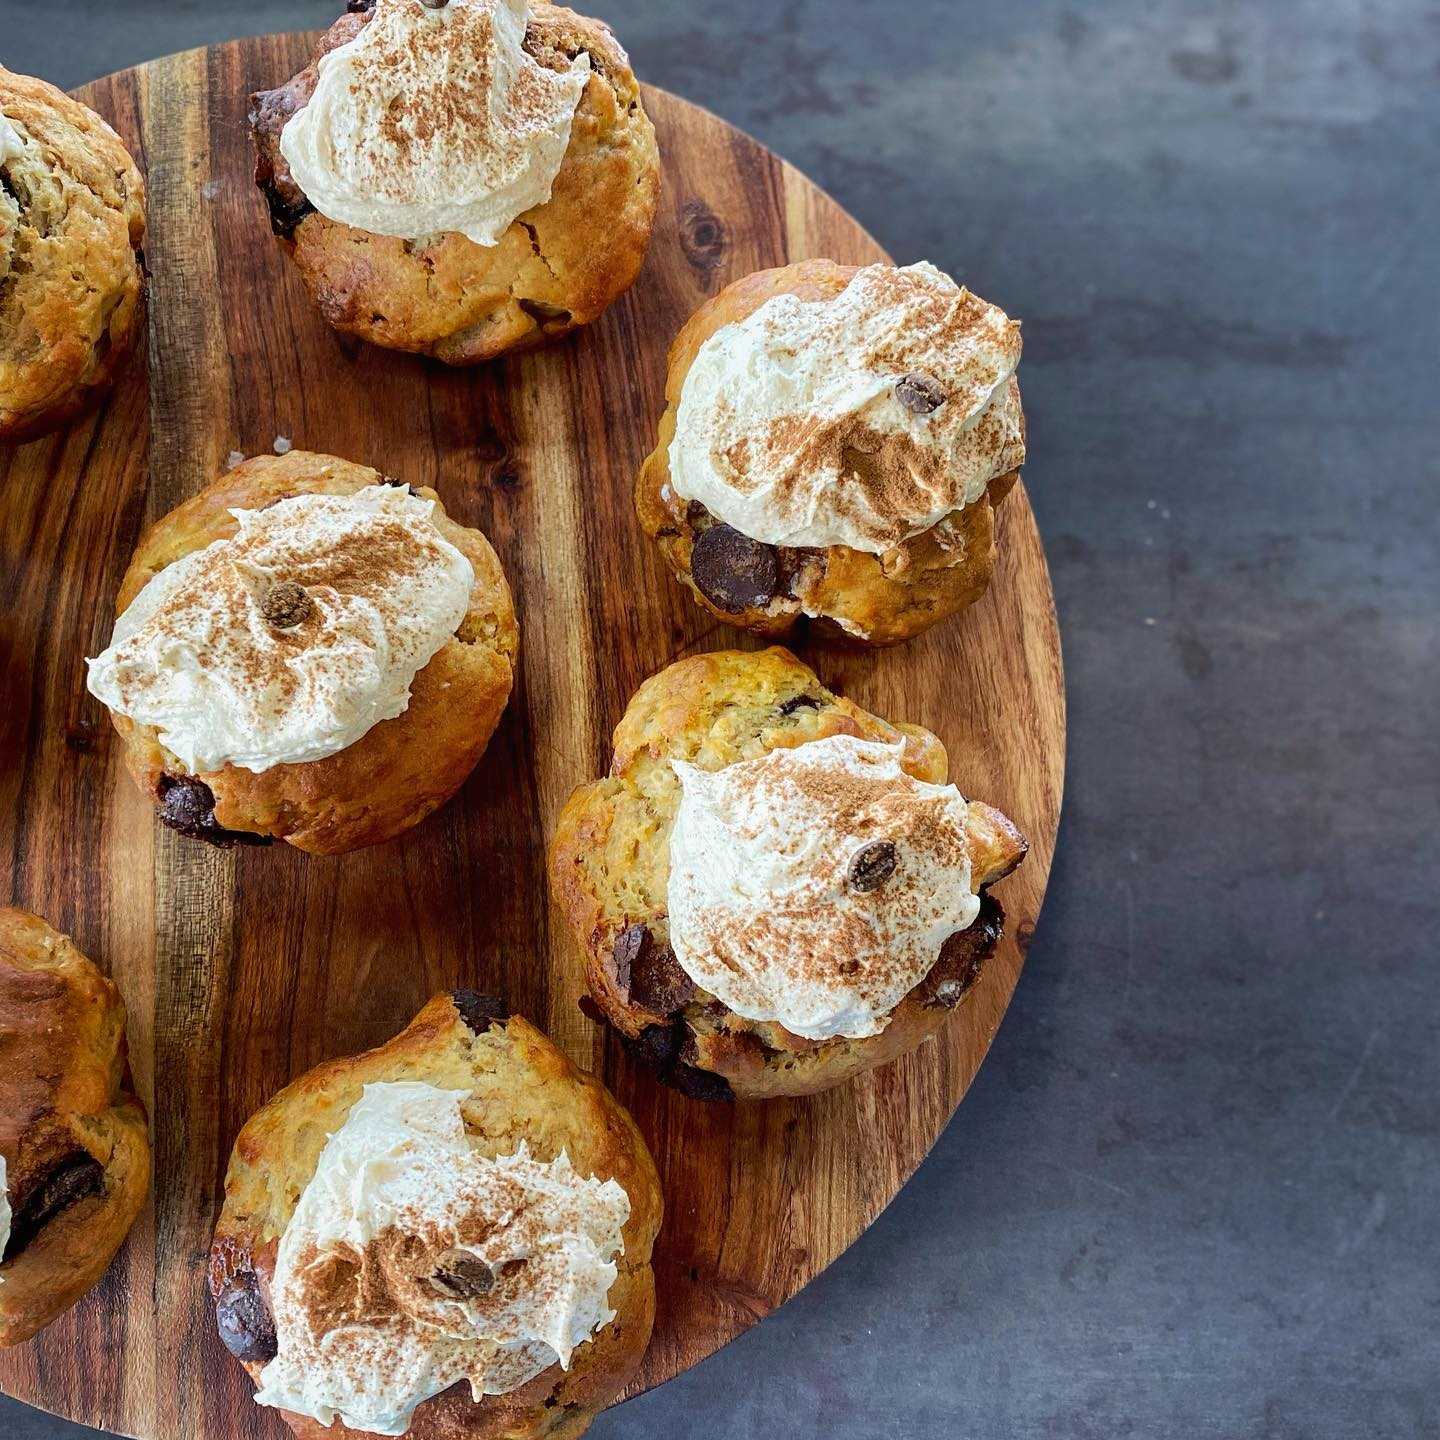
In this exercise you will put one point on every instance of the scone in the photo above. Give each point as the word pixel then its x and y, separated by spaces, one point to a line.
pixel 773 889
pixel 462 179
pixel 74 1144
pixel 307 651
pixel 834 447
pixel 72 220
pixel 448 1237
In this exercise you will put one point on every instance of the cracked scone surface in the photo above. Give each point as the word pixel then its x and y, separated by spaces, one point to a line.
pixel 399 771
pixel 521 1088
pixel 849 596
pixel 610 863
pixel 555 269
pixel 73 1135
pixel 72 221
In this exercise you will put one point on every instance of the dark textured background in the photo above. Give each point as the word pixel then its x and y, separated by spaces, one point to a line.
pixel 1194 1190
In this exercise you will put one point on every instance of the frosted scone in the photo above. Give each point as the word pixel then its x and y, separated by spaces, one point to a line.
pixel 72 220
pixel 460 179
pixel 307 651
pixel 834 446
pixel 448 1237
pixel 74 1144
pixel 773 889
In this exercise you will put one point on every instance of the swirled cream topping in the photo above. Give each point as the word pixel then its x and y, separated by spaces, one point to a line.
pixel 292 639
pixel 413 1262
pixel 12 142
pixel 860 421
pixel 434 120
pixel 816 886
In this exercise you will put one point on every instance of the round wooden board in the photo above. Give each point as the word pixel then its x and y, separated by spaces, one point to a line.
pixel 244 969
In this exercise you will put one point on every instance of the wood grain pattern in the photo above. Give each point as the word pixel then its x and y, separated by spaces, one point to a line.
pixel 244 969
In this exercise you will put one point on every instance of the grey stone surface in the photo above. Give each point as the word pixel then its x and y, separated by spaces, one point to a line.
pixel 1193 1192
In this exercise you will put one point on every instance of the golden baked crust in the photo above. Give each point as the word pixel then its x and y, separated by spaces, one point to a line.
pixel 850 595
pixel 397 773
pixel 521 1088
pixel 556 268
pixel 74 1137
pixel 72 221
pixel 610 862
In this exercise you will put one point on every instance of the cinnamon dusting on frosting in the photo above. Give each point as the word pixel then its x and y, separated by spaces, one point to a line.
pixel 399 1197
pixel 434 120
pixel 764 911
pixel 796 427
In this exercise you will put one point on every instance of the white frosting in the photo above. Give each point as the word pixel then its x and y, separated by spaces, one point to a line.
pixel 195 657
pixel 434 120
pixel 397 1187
pixel 763 912
pixel 776 409
pixel 4 1210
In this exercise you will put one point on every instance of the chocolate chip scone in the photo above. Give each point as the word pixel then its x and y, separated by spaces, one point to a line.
pixel 72 220
pixel 74 1144
pixel 461 180
pixel 448 1237
pixel 307 651
pixel 834 447
pixel 775 890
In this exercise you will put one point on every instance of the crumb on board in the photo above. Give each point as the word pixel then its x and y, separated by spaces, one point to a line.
pixel 283 445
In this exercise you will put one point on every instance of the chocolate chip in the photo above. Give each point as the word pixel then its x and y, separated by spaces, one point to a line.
pixel 648 974
pixel 244 1321
pixel 963 958
pixel 734 572
pixel 359 7
pixel 656 1045
pixel 920 394
pixel 873 866
pixel 697 1084
pixel 188 806
pixel 286 605
pixel 799 702
pixel 463 1276
pixel 286 214
pixel 434 4
pixel 479 1011
pixel 76 1177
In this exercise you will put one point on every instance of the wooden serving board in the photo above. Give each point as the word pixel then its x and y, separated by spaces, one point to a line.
pixel 243 969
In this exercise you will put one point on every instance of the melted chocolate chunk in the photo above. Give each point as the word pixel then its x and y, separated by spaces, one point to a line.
pixel 77 1177
pixel 964 957
pixel 799 702
pixel 463 1276
pixel 661 1047
pixel 359 7
pixel 734 572
pixel 920 394
pixel 479 1011
pixel 697 1084
pixel 648 974
pixel 244 1321
pixel 188 805
pixel 873 866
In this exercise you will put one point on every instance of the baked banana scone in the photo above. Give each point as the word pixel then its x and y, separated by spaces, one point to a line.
pixel 74 1144
pixel 460 179
pixel 72 221
pixel 835 444
pixel 775 890
pixel 448 1237
pixel 307 651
